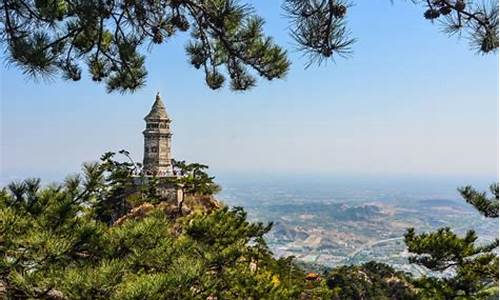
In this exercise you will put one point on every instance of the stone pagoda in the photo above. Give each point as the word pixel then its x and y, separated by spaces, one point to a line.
pixel 157 161
pixel 158 169
pixel 157 142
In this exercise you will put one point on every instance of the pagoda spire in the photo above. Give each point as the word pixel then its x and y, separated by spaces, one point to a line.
pixel 158 110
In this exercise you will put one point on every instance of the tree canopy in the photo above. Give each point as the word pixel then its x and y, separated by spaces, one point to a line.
pixel 58 243
pixel 488 206
pixel 90 237
pixel 474 266
pixel 110 37
pixel 227 42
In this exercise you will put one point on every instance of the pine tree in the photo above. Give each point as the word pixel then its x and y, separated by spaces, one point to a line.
pixel 89 238
pixel 371 280
pixel 486 206
pixel 227 42
pixel 59 36
pixel 63 242
pixel 194 180
pixel 474 267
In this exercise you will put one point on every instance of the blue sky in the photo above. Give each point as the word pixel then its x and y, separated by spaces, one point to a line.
pixel 409 102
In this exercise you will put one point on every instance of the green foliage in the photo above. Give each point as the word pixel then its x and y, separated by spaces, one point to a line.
pixel 116 187
pixel 48 37
pixel 474 267
pixel 320 30
pixel 319 27
pixel 443 249
pixel 58 241
pixel 477 19
pixel 486 206
pixel 193 179
pixel 43 232
pixel 63 241
pixel 370 281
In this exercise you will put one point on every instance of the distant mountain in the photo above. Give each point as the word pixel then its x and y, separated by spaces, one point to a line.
pixel 337 211
pixel 282 231
pixel 443 203
pixel 364 212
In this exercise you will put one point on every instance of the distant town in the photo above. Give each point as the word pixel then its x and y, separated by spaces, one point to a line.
pixel 327 227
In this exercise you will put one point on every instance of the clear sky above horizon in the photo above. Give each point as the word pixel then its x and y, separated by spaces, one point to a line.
pixel 410 101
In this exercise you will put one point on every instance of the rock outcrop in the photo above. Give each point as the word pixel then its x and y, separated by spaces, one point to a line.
pixel 191 203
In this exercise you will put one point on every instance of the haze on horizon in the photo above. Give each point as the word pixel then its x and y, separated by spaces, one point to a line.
pixel 410 101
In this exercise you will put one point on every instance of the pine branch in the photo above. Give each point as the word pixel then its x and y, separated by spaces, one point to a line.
pixel 487 206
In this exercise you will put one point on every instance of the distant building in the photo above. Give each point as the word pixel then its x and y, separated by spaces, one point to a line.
pixel 157 142
pixel 157 162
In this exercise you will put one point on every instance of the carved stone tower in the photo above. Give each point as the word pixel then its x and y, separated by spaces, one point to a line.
pixel 157 141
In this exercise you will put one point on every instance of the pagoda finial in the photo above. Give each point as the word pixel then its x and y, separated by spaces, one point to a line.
pixel 158 97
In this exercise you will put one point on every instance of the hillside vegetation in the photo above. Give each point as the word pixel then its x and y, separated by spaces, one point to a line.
pixel 90 238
